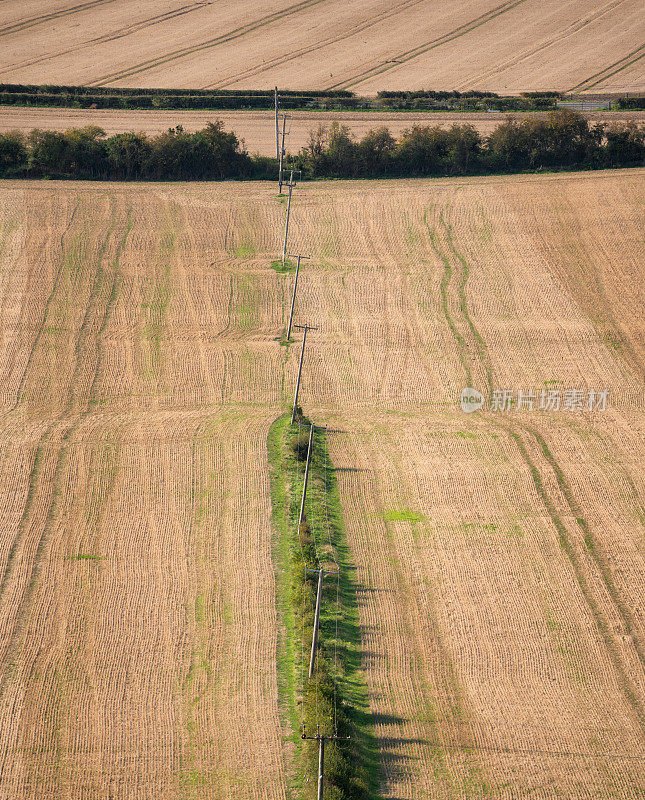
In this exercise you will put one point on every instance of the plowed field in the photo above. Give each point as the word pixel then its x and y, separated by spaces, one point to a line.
pixel 499 555
pixel 371 45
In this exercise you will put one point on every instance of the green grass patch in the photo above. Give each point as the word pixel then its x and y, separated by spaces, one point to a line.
pixel 287 267
pixel 86 557
pixel 335 699
pixel 244 251
pixel 402 515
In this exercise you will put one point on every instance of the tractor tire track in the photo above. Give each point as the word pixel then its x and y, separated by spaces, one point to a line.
pixel 553 40
pixel 90 311
pixel 108 37
pixel 12 643
pixel 591 542
pixel 584 578
pixel 42 18
pixel 236 33
pixel 114 289
pixel 567 545
pixel 611 70
pixel 409 55
pixel 280 60
pixel 34 476
pixel 48 305
pixel 55 490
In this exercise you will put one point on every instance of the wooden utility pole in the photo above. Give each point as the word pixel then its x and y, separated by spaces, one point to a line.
pixel 281 154
pixel 321 756
pixel 277 132
pixel 302 357
pixel 301 519
pixel 286 227
pixel 314 638
pixel 293 299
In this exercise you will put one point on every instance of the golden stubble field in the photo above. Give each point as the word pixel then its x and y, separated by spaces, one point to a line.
pixel 366 45
pixel 499 556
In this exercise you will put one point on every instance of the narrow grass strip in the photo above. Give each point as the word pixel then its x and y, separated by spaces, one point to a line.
pixel 334 701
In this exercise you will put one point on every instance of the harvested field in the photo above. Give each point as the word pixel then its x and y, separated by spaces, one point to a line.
pixel 255 126
pixel 506 47
pixel 499 556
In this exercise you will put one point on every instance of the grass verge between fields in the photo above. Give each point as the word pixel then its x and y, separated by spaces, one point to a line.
pixel 335 700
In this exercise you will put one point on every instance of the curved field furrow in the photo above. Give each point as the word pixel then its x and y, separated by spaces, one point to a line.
pixel 593 576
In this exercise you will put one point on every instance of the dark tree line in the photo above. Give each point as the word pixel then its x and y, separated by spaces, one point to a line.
pixel 211 153
pixel 563 140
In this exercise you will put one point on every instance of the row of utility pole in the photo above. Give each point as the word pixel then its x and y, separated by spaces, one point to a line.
pixel 280 135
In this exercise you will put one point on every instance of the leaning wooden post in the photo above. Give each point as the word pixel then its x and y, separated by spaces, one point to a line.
pixel 314 638
pixel 281 154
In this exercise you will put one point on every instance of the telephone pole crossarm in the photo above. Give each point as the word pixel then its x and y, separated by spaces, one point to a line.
pixel 321 756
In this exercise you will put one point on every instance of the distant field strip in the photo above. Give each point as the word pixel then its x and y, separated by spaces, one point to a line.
pixel 108 37
pixel 236 33
pixel 284 59
pixel 571 30
pixel 506 47
pixel 408 55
